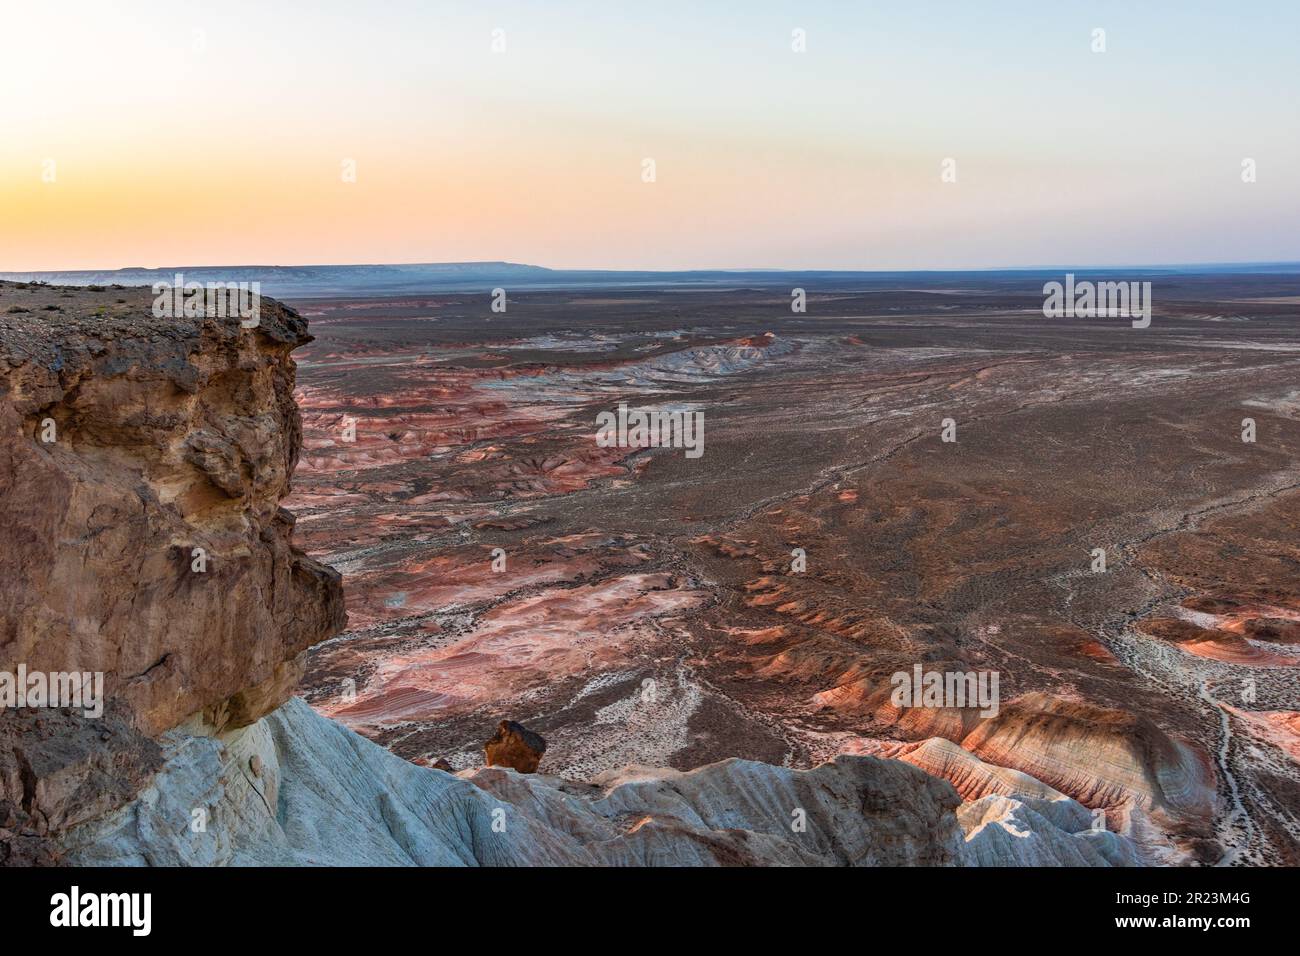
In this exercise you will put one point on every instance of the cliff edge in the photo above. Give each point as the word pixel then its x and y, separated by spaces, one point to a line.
pixel 142 464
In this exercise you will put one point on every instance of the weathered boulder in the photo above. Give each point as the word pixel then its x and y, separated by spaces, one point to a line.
pixel 514 746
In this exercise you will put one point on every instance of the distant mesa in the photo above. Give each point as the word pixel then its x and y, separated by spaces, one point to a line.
pixel 318 280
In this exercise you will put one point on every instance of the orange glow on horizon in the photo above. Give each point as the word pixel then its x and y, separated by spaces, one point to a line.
pixel 196 139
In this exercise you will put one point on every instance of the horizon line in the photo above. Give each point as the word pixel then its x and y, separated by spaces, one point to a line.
pixel 1048 267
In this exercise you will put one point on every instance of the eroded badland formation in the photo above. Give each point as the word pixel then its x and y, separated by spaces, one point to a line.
pixel 705 644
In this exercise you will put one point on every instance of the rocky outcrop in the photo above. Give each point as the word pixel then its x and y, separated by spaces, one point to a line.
pixel 326 796
pixel 971 777
pixel 1103 757
pixel 1002 831
pixel 59 769
pixel 169 436
pixel 514 746
pixel 142 464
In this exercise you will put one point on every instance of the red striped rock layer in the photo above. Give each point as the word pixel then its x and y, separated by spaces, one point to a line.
pixel 438 579
pixel 1252 635
pixel 515 648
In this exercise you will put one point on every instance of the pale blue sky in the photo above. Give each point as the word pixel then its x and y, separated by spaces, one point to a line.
pixel 764 157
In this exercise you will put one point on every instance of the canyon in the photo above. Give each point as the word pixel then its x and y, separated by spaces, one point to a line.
pixel 407 520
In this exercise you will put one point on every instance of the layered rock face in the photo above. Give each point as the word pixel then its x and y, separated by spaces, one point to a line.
pixel 1107 758
pixel 169 436
pixel 142 464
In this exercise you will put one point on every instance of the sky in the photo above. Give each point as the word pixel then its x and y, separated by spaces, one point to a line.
pixel 201 133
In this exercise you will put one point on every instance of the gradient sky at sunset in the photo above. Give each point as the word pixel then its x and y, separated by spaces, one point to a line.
pixel 188 133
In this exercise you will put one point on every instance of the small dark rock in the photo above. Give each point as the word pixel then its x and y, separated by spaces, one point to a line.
pixel 515 746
